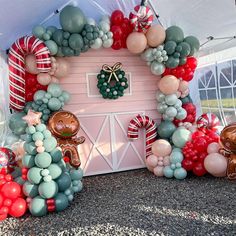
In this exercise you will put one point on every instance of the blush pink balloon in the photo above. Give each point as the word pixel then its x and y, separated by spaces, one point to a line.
pixel 54 80
pixel 213 147
pixel 136 42
pixel 156 35
pixel 30 64
pixel 62 68
pixel 161 148
pixel 169 84
pixel 44 78
pixel 166 161
pixel 216 164
pixel 183 86
pixel 152 161
pixel 158 171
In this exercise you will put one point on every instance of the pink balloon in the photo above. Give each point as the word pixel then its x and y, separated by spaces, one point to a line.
pixel 160 163
pixel 44 78
pixel 166 161
pixel 213 147
pixel 155 35
pixel 169 84
pixel 62 68
pixel 158 171
pixel 152 161
pixel 216 164
pixel 183 86
pixel 136 42
pixel 30 64
pixel 161 148
pixel 150 168
pixel 54 80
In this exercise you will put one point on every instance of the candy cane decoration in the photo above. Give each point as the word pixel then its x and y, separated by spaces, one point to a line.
pixel 18 51
pixel 208 121
pixel 151 131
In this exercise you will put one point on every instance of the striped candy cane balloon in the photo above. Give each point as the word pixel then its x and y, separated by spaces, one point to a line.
pixel 151 131
pixel 18 51
pixel 208 121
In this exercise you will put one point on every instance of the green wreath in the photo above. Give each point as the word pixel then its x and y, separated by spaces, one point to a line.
pixel 112 81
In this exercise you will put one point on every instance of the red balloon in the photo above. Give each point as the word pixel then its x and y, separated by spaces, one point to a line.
pixel 1 200
pixel 117 17
pixel 11 190
pixel 200 144
pixel 7 202
pixel 18 208
pixel 187 164
pixel 3 217
pixel 4 210
pixel 197 134
pixel 192 62
pixel 188 76
pixel 199 169
pixel 117 44
pixel 117 32
pixel 180 71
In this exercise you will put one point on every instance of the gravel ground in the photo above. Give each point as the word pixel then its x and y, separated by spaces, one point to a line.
pixel 138 203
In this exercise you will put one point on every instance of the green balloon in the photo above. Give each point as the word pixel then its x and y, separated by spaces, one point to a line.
pixel 186 99
pixel 180 137
pixel 157 68
pixel 34 175
pixel 59 52
pixel 57 37
pixel 166 129
pixel 38 206
pixel 175 149
pixel 39 95
pixel 67 51
pixel 170 46
pixel 48 189
pixel 61 202
pixel 72 19
pixel 76 41
pixel 176 157
pixel 49 144
pixel 46 36
pixel 62 164
pixel 51 29
pixel 30 148
pixel 66 96
pixel 194 44
pixel 43 160
pixel 52 46
pixel 55 90
pixel 172 62
pixel 56 155
pixel 54 170
pixel 171 99
pixel 174 33
pixel 186 49
pixel 30 190
pixel 54 104
pixel 182 114
pixel 19 180
pixel 28 161
pixel 65 43
pixel 182 60
pixel 76 174
pixel 64 182
pixel 16 124
pixel 38 31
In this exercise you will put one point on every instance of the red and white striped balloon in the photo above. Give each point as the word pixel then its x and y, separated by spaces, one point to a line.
pixel 208 121
pixel 151 131
pixel 18 51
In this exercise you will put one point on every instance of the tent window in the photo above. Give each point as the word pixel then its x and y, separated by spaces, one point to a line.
pixel 217 90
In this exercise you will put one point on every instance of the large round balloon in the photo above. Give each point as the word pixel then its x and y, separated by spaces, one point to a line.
pixel 174 33
pixel 17 124
pixel 168 84
pixel 62 68
pixel 156 35
pixel 61 202
pixel 194 44
pixel 161 148
pixel 180 137
pixel 72 19
pixel 136 42
pixel 166 129
pixel 38 206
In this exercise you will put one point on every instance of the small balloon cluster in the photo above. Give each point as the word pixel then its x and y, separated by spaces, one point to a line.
pixel 49 183
pixel 12 201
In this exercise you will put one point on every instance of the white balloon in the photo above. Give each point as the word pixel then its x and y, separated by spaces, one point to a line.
pixel 91 21
pixel 108 43
pixel 105 27
pixel 106 18
pixel 101 33
pixel 97 44
pixel 110 35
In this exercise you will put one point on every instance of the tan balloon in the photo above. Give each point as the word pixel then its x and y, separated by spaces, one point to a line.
pixel 30 64
pixel 161 148
pixel 136 42
pixel 155 35
pixel 183 86
pixel 62 67
pixel 44 78
pixel 169 84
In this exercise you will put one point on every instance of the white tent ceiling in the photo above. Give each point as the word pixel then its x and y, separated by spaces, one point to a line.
pixel 201 18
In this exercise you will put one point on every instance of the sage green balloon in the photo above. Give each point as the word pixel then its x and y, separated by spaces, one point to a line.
pixel 48 189
pixel 50 143
pixel 52 46
pixel 61 202
pixel 172 62
pixel 194 44
pixel 174 33
pixel 54 104
pixel 28 161
pixel 38 31
pixel 30 148
pixel 181 114
pixel 51 29
pixel 56 155
pixel 64 182
pixel 19 180
pixel 62 164
pixel 34 175
pixel 171 111
pixel 170 46
pixel 66 96
pixel 76 41
pixel 72 19
pixel 147 55
pixel 186 49
pixel 57 36
pixel 171 99
pixel 76 174
pixel 16 124
pixel 38 206
pixel 182 60
pixel 43 160
pixel 30 190
pixel 157 68
pixel 180 137
pixel 67 51
pixel 39 95
pixel 59 52
pixel 54 170
pixel 166 129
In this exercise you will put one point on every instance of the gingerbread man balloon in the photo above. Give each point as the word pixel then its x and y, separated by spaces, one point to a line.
pixel 64 125
pixel 228 141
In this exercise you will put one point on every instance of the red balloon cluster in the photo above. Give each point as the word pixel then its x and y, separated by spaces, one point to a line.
pixel 186 71
pixel 121 28
pixel 195 151
pixel 11 201
pixel 191 114
pixel 32 86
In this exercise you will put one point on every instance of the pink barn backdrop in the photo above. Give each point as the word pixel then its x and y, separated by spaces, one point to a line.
pixel 104 122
